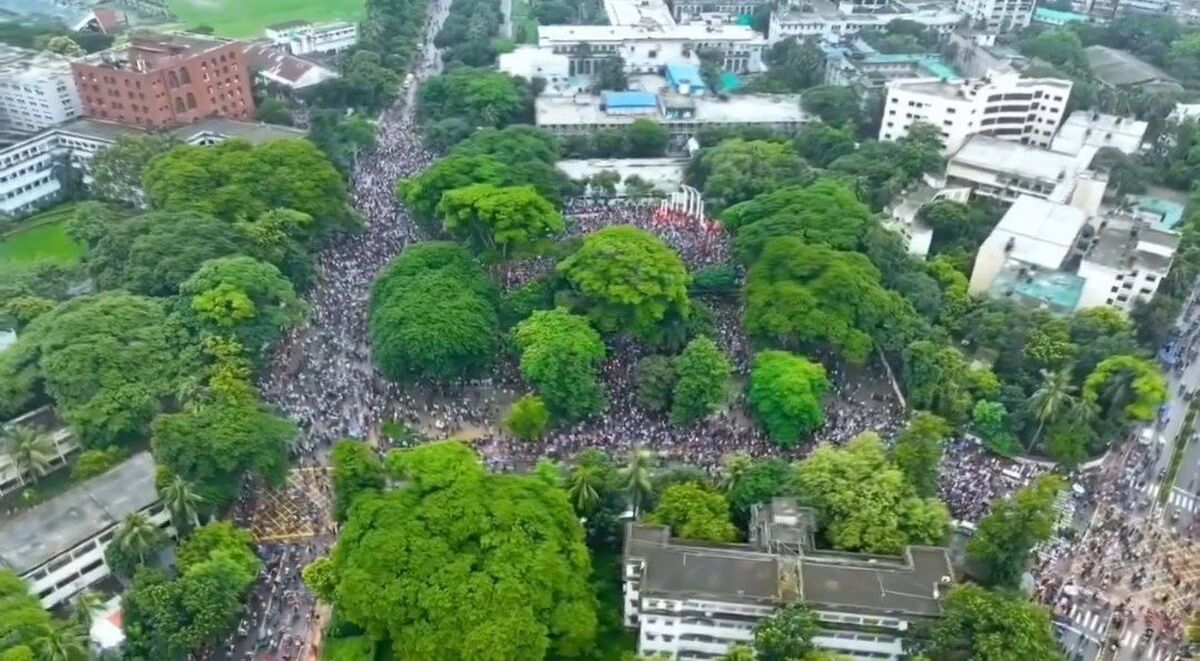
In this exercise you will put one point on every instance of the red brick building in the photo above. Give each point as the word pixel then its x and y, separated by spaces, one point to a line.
pixel 166 80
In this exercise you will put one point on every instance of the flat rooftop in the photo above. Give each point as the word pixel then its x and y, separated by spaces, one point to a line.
pixel 58 525
pixel 584 110
pixel 19 64
pixel 1163 213
pixel 985 152
pixel 255 132
pixel 148 50
pixel 638 12
pixel 1084 133
pixel 665 173
pixel 1057 290
pixel 551 35
pixel 1127 243
pixel 1039 232
pixel 1119 68
pixel 911 587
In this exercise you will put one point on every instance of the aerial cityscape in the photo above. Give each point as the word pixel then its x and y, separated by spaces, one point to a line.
pixel 609 330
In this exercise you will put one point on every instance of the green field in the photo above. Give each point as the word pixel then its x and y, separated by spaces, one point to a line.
pixel 247 18
pixel 46 238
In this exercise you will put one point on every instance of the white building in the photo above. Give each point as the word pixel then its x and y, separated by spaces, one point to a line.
pixel 1034 232
pixel 531 62
pixel 275 66
pixel 695 601
pixel 902 216
pixel 996 15
pixel 44 421
pixel 665 174
pixel 29 170
pixel 303 37
pixel 57 547
pixel 1004 105
pixel 832 21
pixel 647 48
pixel 1084 133
pixel 1005 170
pixel 1125 261
pixel 37 90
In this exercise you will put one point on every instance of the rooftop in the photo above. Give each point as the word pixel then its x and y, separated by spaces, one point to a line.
pixel 1056 290
pixel 1084 133
pixel 685 73
pixel 1164 214
pixel 287 25
pixel 276 63
pixel 65 14
pixel 148 51
pixel 993 154
pixel 967 90
pixel 1056 17
pixel 584 109
pixel 23 64
pixel 1119 68
pixel 630 99
pixel 550 35
pixel 255 132
pixel 1038 232
pixel 1125 243
pixel 638 12
pixel 54 527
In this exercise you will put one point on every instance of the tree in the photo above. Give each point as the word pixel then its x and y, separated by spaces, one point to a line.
pixel 528 418
pixel 655 379
pixel 527 585
pixel 636 478
pixel 937 378
pixel 977 623
pixel 990 421
pixel 644 138
pixel 834 104
pixel 511 144
pixel 560 354
pixel 701 376
pixel 342 139
pixel 610 75
pixel 62 641
pixel 786 635
pixel 214 445
pixel 117 170
pixel 240 297
pixel 137 538
pixel 106 360
pixel 497 219
pixel 737 170
pixel 1006 537
pixel 795 65
pixel 480 97
pixel 800 293
pixel 760 481
pixel 182 501
pixel 785 393
pixel 918 452
pixel 694 512
pixel 821 144
pixel 239 181
pixel 30 451
pixel 24 619
pixel 594 487
pixel 433 315
pixel 1051 399
pixel 85 608
pixel 64 45
pixel 274 111
pixel 825 212
pixel 1126 387
pixel 625 279
pixel 1062 48
pixel 864 500
pixel 356 471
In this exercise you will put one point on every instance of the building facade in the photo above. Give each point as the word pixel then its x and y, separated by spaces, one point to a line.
pixel 1125 262
pixel 1003 171
pixel 163 81
pixel 648 49
pixel 696 601
pixel 997 15
pixel 1004 105
pixel 833 21
pixel 62 441
pixel 37 91
pixel 303 37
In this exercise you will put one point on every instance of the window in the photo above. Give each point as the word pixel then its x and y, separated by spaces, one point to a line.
pixel 172 79
pixel 184 77
pixel 191 100
pixel 179 106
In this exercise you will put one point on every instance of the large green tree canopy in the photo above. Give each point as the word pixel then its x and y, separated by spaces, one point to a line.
pixel 499 219
pixel 627 280
pixel 864 501
pixel 106 360
pixel 410 561
pixel 560 353
pixel 786 393
pixel 433 314
pixel 239 181
pixel 477 96
pixel 983 625
pixel 826 212
pixel 737 170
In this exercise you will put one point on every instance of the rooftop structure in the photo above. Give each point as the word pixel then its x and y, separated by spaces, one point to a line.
pixel 684 78
pixel 1033 231
pixel 693 599
pixel 1051 289
pixel 645 48
pixel 903 214
pixel 1125 261
pixel 37 90
pixel 856 63
pixel 977 55
pixel 996 15
pixel 1084 133
pixel 648 13
pixel 304 38
pixel 1006 170
pixel 531 62
pixel 77 526
pixel 277 67
pixel 1118 68
pixel 1157 212
pixel 666 174
pixel 831 22
pixel 1056 18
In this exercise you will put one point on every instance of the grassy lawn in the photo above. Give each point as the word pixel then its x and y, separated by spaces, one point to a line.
pixel 46 238
pixel 247 18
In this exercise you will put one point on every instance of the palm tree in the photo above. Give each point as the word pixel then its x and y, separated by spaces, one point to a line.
pixel 583 488
pixel 85 609
pixel 137 536
pixel 1052 398
pixel 736 466
pixel 183 504
pixel 61 642
pixel 1118 392
pixel 637 479
pixel 30 450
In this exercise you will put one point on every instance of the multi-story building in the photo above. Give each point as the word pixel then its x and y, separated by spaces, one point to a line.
pixel 37 90
pixel 303 37
pixel 1122 70
pixel 1034 233
pixel 62 442
pixel 1125 261
pixel 692 600
pixel 646 49
pixel 1004 171
pixel 1111 9
pixel 275 66
pixel 685 9
pixel 681 115
pixel 160 81
pixel 996 15
pixel 1004 105
pixel 30 170
pixel 57 547
pixel 856 63
pixel 903 215
pixel 1084 133
pixel 835 21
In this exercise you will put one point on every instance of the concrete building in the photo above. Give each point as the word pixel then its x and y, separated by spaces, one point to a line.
pixel 1005 171
pixel 45 422
pixel 996 15
pixel 691 600
pixel 1119 69
pixel 977 55
pixel 1033 233
pixel 1005 105
pixel 304 38
pixel 681 115
pixel 531 62
pixel 276 67
pixel 29 170
pixel 832 21
pixel 902 216
pixel 857 64
pixel 665 174
pixel 1084 133
pixel 161 81
pixel 1058 19
pixel 37 90
pixel 647 48
pixel 1125 261
pixel 684 10
pixel 57 547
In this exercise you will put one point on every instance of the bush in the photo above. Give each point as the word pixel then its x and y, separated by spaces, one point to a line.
pixel 528 418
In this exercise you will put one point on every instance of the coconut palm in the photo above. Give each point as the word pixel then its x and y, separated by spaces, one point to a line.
pixel 583 488
pixel 636 477
pixel 61 642
pixel 86 606
pixel 1118 392
pixel 183 503
pixel 1052 398
pixel 30 450
pixel 736 466
pixel 136 536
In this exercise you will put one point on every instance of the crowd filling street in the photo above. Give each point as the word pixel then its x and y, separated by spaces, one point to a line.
pixel 322 377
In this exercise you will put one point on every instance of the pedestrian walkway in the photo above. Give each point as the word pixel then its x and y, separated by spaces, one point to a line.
pixel 1184 501
pixel 1091 622
pixel 1154 652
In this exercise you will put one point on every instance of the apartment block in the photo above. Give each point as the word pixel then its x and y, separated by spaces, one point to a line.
pixel 37 90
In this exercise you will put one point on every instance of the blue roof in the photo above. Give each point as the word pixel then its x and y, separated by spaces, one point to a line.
pixel 684 73
pixel 1056 17
pixel 629 99
pixel 1168 213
